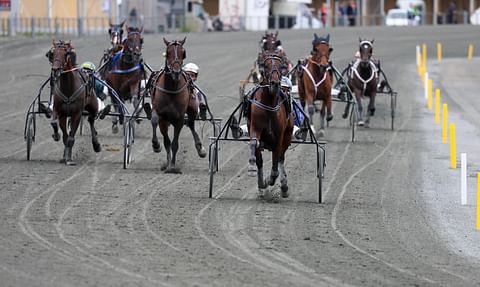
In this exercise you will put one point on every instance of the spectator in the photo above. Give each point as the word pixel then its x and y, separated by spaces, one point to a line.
pixel 451 13
pixel 351 13
pixel 342 10
pixel 323 14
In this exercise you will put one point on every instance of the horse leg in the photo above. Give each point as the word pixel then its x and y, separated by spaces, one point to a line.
pixel 261 182
pixel 252 167
pixel 115 120
pixel 321 132
pixel 92 112
pixel 198 143
pixel 176 134
pixel 96 145
pixel 283 178
pixel 328 103
pixel 166 143
pixel 71 138
pixel 155 144
pixel 54 124
pixel 62 121
pixel 371 104
pixel 359 108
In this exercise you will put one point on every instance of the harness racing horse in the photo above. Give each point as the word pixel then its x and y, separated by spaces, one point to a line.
pixel 362 79
pixel 270 126
pixel 125 70
pixel 171 90
pixel 315 81
pixel 73 92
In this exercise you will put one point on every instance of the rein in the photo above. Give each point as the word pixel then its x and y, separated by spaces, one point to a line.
pixel 161 89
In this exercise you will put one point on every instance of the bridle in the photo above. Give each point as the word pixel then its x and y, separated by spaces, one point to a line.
pixel 365 46
pixel 116 33
pixel 133 51
pixel 275 68
pixel 169 69
pixel 318 63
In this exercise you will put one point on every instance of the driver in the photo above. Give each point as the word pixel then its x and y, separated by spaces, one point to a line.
pixel 192 71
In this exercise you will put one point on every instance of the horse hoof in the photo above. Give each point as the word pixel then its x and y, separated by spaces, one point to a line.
pixel 260 194
pixel 329 118
pixel 62 161
pixel 361 123
pixel 321 133
pixel 97 147
pixel 372 112
pixel 70 162
pixel 115 128
pixel 201 150
pixel 174 170
pixel 156 147
pixel 164 166
pixel 56 137
pixel 285 193
pixel 345 115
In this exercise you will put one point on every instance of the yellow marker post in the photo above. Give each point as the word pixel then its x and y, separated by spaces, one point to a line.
pixel 429 95
pixel 478 201
pixel 424 55
pixel 439 52
pixel 453 147
pixel 437 106
pixel 444 125
pixel 470 52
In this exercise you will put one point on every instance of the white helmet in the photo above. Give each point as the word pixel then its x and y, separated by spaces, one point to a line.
pixel 191 67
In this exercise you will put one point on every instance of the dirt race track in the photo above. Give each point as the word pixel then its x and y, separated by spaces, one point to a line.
pixel 386 219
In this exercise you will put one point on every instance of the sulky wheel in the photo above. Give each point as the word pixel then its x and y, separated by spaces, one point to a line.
pixel 30 134
pixel 128 139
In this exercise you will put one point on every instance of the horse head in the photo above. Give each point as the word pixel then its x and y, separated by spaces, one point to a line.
pixel 272 70
pixel 174 56
pixel 321 51
pixel 116 33
pixel 62 56
pixel 270 42
pixel 366 50
pixel 132 45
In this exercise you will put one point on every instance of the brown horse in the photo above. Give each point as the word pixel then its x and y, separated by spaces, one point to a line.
pixel 362 79
pixel 171 91
pixel 270 126
pixel 315 81
pixel 73 92
pixel 125 70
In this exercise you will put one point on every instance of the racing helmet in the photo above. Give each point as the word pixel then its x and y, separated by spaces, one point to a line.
pixel 191 67
pixel 89 66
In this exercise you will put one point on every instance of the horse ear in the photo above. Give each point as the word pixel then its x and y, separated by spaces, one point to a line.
pixel 184 54
pixel 123 22
pixel 278 43
pixel 166 41
pixel 327 38
pixel 53 42
pixel 359 39
pixel 372 40
pixel 110 31
pixel 276 33
pixel 140 30
pixel 183 41
pixel 315 36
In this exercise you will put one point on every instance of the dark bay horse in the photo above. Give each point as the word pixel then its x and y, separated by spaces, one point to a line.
pixel 270 126
pixel 315 81
pixel 73 93
pixel 171 91
pixel 125 70
pixel 362 79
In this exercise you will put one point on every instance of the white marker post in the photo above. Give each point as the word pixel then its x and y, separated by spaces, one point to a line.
pixel 426 86
pixel 418 55
pixel 464 177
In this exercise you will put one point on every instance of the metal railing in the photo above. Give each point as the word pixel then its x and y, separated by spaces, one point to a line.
pixel 179 23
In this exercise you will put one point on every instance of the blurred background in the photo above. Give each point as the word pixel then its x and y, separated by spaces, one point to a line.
pixel 88 17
